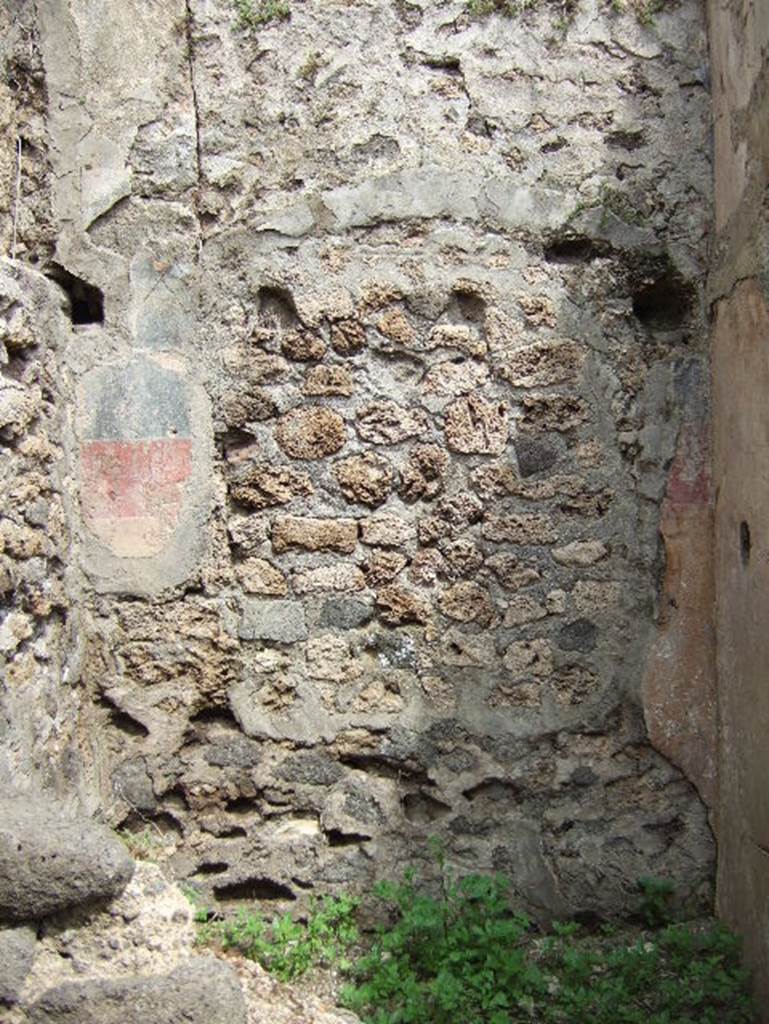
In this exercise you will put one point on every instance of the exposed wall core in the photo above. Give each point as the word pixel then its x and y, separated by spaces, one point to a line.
pixel 401 374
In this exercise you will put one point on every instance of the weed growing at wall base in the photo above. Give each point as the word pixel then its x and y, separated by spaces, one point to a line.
pixel 465 957
pixel 290 948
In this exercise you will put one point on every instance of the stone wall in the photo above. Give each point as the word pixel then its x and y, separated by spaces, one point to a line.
pixel 386 368
pixel 739 296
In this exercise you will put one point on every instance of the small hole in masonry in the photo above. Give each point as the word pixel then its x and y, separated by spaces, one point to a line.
pixel 86 301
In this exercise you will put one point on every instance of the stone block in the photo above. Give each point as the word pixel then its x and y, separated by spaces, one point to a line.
pixel 366 479
pixel 313 534
pixel 311 433
pixel 50 861
pixel 201 991
pixel 281 621
pixel 474 425
pixel 17 950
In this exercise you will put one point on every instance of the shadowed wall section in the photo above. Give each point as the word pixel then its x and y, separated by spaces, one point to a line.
pixel 739 292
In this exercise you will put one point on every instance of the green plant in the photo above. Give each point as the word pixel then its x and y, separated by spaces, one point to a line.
pixel 510 8
pixel 287 947
pixel 200 912
pixel 145 844
pixel 656 895
pixel 462 955
pixel 466 956
pixel 456 958
pixel 311 66
pixel 254 13
pixel 644 10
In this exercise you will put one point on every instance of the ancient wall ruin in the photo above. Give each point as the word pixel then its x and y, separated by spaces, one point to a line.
pixel 381 384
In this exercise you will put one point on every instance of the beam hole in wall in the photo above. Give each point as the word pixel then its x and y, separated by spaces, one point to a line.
pixel 421 808
pixel 745 542
pixel 466 305
pixel 157 823
pixel 254 889
pixel 386 768
pixel 86 301
pixel 336 837
pixel 492 789
pixel 572 249
pixel 240 805
pixel 277 307
pixel 663 303
pixel 121 720
pixel 212 868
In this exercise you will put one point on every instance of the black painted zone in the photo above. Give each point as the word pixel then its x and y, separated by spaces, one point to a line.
pixel 86 301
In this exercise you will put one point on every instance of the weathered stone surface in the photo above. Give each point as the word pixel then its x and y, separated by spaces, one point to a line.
pixel 511 573
pixel 424 472
pixel 49 861
pixel 202 991
pixel 535 455
pixel 366 479
pixel 263 486
pixel 581 553
pixel 329 657
pixel 427 566
pixel 453 379
pixel 314 534
pixel 383 567
pixel 303 346
pixel 523 528
pixel 579 635
pixel 400 605
pixel 475 425
pixel 272 620
pixel 542 364
pixel 386 530
pixel 17 949
pixel 344 578
pixel 258 576
pixel 396 326
pixel 523 608
pixel 529 658
pixel 348 337
pixel 385 422
pixel 553 412
pixel 243 407
pixel 457 336
pixel 467 602
pixel 345 614
pixel 311 433
pixel 328 380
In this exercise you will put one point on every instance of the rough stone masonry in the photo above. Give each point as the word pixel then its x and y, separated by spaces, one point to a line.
pixel 355 394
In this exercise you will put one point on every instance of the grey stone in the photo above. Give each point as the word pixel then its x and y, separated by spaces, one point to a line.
pixel 345 614
pixel 234 752
pixel 534 455
pixel 17 949
pixel 282 621
pixel 131 782
pixel 49 862
pixel 202 991
pixel 579 635
pixel 310 767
